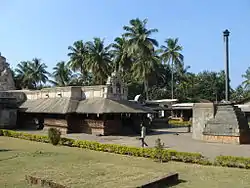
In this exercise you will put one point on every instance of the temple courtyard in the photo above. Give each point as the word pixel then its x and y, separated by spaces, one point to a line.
pixel 173 138
pixel 77 167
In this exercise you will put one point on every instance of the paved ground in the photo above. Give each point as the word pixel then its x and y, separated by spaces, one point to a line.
pixel 180 142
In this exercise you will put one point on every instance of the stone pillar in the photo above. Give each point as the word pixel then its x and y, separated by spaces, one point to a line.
pixel 202 112
pixel 227 87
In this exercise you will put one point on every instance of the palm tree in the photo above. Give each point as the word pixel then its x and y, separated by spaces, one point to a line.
pixel 99 60
pixel 246 76
pixel 78 53
pixel 62 74
pixel 32 73
pixel 172 53
pixel 139 41
pixel 38 72
pixel 141 48
pixel 143 68
pixel 121 57
pixel 23 74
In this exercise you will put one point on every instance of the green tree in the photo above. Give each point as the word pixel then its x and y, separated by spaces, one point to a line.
pixel 38 72
pixel 246 76
pixel 139 41
pixel 210 85
pixel 62 74
pixel 122 60
pixel 239 94
pixel 78 55
pixel 141 48
pixel 32 73
pixel 143 68
pixel 22 75
pixel 172 54
pixel 99 60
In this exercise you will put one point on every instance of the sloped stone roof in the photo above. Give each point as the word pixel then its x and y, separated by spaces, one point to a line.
pixel 104 105
pixel 88 106
pixel 50 105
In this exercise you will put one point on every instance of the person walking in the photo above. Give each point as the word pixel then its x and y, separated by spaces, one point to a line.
pixel 143 135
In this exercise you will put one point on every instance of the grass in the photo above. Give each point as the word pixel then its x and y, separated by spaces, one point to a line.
pixel 84 168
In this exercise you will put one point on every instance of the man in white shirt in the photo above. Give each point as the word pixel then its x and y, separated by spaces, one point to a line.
pixel 143 135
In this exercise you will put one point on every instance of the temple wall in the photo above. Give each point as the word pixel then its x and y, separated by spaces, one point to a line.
pixel 112 127
pixel 56 92
pixel 78 124
pixel 60 124
pixel 201 113
pixel 8 118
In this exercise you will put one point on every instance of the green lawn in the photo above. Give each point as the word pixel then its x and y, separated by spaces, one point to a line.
pixel 84 168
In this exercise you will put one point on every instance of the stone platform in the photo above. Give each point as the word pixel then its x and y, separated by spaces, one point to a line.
pixel 229 125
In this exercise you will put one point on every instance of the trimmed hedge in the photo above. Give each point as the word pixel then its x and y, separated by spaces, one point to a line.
pixel 153 153
pixel 179 123
pixel 230 161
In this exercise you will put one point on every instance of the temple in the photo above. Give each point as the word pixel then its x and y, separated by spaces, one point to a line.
pixel 100 109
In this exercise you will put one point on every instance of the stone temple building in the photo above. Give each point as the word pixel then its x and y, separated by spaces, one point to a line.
pixel 222 123
pixel 100 109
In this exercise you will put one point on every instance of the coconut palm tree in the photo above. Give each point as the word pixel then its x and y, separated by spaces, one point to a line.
pixel 78 53
pixel 99 60
pixel 138 36
pixel 62 74
pixel 143 68
pixel 31 73
pixel 121 57
pixel 141 48
pixel 172 54
pixel 23 75
pixel 38 72
pixel 246 76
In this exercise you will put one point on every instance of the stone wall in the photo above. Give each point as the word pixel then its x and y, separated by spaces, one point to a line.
pixel 8 118
pixel 73 92
pixel 79 124
pixel 202 112
pixel 112 127
pixel 6 78
pixel 60 124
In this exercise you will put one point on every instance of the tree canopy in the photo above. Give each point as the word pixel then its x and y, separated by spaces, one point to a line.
pixel 153 71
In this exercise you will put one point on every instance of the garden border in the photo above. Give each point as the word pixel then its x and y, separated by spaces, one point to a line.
pixel 165 154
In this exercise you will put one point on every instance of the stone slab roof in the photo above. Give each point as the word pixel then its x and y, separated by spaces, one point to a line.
pixel 104 105
pixel 88 106
pixel 50 105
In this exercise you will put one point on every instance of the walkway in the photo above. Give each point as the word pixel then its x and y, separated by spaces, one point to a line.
pixel 173 138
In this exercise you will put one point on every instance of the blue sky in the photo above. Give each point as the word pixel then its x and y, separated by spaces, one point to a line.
pixel 45 28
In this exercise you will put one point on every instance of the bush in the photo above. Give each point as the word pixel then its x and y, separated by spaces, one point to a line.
pixel 54 136
pixel 229 161
pixel 154 153
pixel 159 149
pixel 179 123
pixel 25 136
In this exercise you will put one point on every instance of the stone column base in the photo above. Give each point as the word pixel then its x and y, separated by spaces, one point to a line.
pixel 242 139
pixel 222 139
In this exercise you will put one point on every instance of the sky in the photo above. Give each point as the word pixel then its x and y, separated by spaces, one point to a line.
pixel 45 28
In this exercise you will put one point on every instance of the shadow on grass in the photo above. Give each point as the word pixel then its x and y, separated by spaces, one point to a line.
pixel 2 150
pixel 177 183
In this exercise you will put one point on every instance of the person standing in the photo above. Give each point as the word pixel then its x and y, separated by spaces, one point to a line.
pixel 143 135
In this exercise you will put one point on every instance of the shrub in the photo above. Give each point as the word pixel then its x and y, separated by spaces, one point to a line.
pixel 159 149
pixel 154 153
pixel 230 161
pixel 179 123
pixel 54 136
